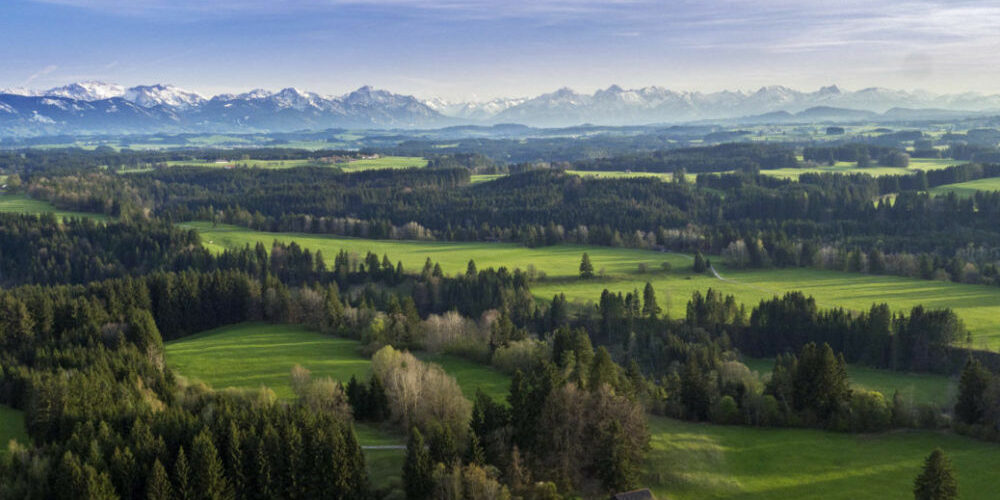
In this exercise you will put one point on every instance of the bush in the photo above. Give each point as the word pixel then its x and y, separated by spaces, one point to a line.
pixel 725 411
pixel 870 412
pixel 421 394
pixel 521 355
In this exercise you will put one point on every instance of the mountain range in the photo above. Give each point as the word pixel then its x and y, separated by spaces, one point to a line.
pixel 97 107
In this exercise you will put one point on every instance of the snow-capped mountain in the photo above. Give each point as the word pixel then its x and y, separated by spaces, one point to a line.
pixel 149 96
pixel 97 107
pixel 473 110
pixel 86 91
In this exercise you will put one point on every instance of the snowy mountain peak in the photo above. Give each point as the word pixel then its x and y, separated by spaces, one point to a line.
pixel 87 91
pixel 149 96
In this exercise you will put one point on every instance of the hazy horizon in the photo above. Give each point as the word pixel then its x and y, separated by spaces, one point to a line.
pixel 474 50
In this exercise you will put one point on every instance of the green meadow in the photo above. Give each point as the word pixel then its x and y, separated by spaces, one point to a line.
pixel 915 388
pixel 22 204
pixel 701 461
pixel 617 174
pixel 384 162
pixel 968 188
pixel 251 355
pixel 618 270
pixel 844 167
pixel 11 427
pixel 685 461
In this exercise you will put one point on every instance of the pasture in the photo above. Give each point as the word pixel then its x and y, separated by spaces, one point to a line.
pixel 698 461
pixel 969 188
pixel 915 388
pixel 384 162
pixel 616 174
pixel 22 204
pixel 844 167
pixel 250 355
pixel 617 269
pixel 686 460
pixel 11 427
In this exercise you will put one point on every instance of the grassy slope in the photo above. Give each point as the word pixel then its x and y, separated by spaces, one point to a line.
pixel 19 203
pixel 256 354
pixel 969 188
pixel 977 305
pixel 253 354
pixel 914 387
pixel 698 461
pixel 11 427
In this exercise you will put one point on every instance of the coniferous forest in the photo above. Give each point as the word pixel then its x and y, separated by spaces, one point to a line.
pixel 88 306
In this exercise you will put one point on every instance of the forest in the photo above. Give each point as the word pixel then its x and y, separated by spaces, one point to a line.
pixel 87 307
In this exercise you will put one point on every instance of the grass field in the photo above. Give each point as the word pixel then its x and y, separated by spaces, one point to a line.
pixel 686 460
pixel 977 305
pixel 19 203
pixel 615 174
pixel 968 188
pixel 255 354
pixel 385 162
pixel 916 388
pixel 700 461
pixel 11 427
pixel 476 179
pixel 851 168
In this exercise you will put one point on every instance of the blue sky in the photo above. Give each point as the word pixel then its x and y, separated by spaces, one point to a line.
pixel 464 49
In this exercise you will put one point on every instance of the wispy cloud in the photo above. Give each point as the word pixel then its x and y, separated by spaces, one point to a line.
pixel 38 74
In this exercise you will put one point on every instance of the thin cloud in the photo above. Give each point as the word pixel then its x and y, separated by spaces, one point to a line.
pixel 40 73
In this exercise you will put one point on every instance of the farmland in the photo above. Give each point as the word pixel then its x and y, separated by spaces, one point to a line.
pixel 618 270
pixel 696 461
pixel 968 188
pixel 22 204
pixel 851 168
pixel 915 388
pixel 384 162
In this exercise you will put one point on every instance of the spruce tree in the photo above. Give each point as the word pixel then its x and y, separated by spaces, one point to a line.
pixel 158 484
pixel 971 390
pixel 937 480
pixel 699 263
pixel 586 268
pixel 650 308
pixel 208 480
pixel 182 476
pixel 418 470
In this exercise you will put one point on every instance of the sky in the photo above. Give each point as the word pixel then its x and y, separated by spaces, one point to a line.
pixel 481 49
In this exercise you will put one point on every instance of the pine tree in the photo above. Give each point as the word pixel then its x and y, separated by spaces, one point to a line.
pixel 699 263
pixel 650 308
pixel 603 370
pixel 442 447
pixel 937 480
pixel 182 476
pixel 418 470
pixel 158 484
pixel 616 470
pixel 208 480
pixel 972 386
pixel 378 400
pixel 586 268
pixel 470 271
pixel 475 454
